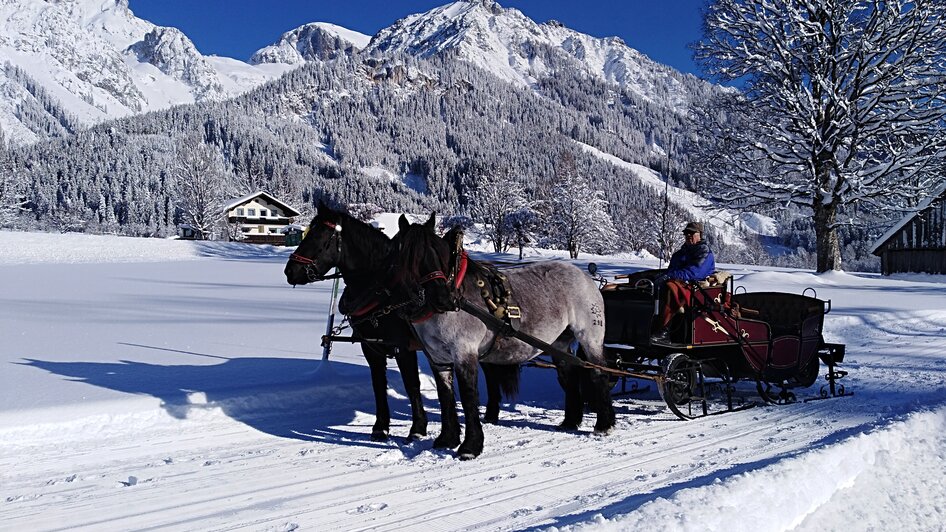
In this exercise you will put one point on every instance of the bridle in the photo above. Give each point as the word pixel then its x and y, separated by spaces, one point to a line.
pixel 453 279
pixel 310 264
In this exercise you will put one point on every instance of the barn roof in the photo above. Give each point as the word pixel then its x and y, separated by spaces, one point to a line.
pixel 940 190
pixel 269 197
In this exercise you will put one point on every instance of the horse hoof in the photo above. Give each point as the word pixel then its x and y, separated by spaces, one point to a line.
pixel 567 427
pixel 603 432
pixel 414 436
pixel 491 420
pixel 469 452
pixel 379 435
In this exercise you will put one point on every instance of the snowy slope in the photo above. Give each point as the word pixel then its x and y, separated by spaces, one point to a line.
pixel 101 62
pixel 510 45
pixel 730 225
pixel 184 391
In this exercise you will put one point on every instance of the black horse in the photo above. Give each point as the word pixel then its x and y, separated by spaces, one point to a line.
pixel 360 251
pixel 363 255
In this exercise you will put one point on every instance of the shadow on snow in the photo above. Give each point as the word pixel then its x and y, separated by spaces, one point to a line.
pixel 286 397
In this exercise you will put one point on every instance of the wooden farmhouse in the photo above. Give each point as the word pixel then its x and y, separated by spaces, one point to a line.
pixel 261 218
pixel 917 243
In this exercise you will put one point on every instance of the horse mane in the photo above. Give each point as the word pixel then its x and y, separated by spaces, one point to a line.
pixel 415 245
pixel 374 244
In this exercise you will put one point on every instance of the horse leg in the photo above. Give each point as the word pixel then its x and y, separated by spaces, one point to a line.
pixel 604 408
pixel 502 380
pixel 598 387
pixel 470 397
pixel 493 394
pixel 449 421
pixel 377 363
pixel 570 379
pixel 407 363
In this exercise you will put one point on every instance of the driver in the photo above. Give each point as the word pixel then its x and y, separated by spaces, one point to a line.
pixel 692 262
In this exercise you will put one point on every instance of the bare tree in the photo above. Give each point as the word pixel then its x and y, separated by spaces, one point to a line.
pixel 843 105
pixel 495 197
pixel 521 225
pixel 201 186
pixel 578 217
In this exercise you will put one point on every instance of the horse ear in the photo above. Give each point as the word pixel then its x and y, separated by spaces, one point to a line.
pixel 402 223
pixel 432 221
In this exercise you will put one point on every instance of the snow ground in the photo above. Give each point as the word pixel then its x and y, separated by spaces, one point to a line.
pixel 176 385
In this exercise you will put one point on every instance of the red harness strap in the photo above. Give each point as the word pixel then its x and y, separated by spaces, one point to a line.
pixel 424 318
pixel 431 276
pixel 300 258
pixel 366 309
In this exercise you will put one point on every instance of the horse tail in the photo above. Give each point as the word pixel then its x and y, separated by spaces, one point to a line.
pixel 506 376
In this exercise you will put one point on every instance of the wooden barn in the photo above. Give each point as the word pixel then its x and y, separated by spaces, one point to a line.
pixel 261 218
pixel 917 243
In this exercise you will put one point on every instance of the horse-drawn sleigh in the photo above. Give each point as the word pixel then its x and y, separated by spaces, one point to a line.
pixel 725 336
pixel 466 315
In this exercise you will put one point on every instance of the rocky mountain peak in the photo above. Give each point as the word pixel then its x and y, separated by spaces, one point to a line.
pixel 311 42
pixel 173 53
pixel 515 48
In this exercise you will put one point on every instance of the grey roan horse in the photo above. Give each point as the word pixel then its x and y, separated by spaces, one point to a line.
pixel 558 302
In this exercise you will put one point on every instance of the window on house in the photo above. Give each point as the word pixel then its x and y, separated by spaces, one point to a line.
pixel 251 212
pixel 263 212
pixel 240 211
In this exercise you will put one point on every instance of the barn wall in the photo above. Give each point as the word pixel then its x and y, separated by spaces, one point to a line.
pixel 920 246
pixel 914 260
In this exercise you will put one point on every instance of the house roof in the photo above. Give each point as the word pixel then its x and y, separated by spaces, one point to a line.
pixel 940 190
pixel 269 197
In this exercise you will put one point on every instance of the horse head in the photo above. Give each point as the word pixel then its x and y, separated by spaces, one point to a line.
pixel 320 249
pixel 422 265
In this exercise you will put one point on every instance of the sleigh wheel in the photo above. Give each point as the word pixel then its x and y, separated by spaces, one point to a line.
pixel 679 387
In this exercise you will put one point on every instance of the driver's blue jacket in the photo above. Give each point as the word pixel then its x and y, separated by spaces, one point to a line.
pixel 692 262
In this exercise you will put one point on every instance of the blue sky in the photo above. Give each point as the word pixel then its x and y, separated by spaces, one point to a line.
pixel 237 28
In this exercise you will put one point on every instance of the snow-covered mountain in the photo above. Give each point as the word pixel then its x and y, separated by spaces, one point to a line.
pixel 517 49
pixel 93 60
pixel 319 41
pixel 97 61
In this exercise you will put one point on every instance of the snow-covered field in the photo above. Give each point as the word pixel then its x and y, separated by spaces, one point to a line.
pixel 175 385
